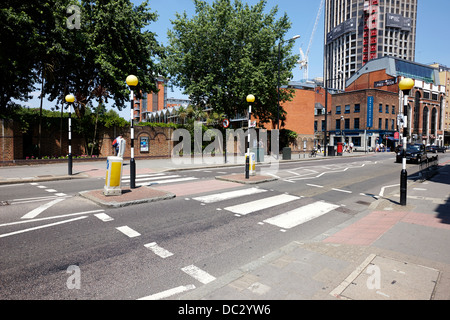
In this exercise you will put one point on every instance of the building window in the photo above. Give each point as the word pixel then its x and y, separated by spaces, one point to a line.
pixel 357 108
pixel 338 124
pixel 392 124
pixel 393 109
pixel 386 124
pixel 379 123
pixel 315 126
pixel 347 124
pixel 356 141
pixel 380 108
pixel 347 109
pixel 387 109
pixel 338 109
pixel 356 123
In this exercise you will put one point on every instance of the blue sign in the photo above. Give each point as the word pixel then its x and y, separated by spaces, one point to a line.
pixel 369 111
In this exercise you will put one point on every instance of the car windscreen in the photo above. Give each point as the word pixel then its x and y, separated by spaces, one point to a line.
pixel 413 149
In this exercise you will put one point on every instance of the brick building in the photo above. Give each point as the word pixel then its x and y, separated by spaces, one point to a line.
pixel 366 113
pixel 444 77
pixel 308 101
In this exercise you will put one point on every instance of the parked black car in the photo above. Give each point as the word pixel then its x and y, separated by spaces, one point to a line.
pixel 414 153
pixel 435 149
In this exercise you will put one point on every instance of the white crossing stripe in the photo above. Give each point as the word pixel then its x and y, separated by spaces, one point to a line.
pixel 168 293
pixel 167 181
pixel 256 205
pixel 104 217
pixel 228 195
pixel 198 274
pixel 149 178
pixel 301 215
pixel 163 253
pixel 128 231
pixel 145 175
pixel 156 178
pixel 38 210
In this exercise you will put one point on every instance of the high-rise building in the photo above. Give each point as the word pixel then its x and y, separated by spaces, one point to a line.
pixel 357 31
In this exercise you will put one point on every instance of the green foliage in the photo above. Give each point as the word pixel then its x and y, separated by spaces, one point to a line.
pixel 227 51
pixel 91 62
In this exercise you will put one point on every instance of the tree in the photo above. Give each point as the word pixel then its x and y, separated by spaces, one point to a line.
pixel 111 44
pixel 30 41
pixel 227 51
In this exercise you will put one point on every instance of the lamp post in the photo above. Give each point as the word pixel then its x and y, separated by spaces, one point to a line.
pixel 70 99
pixel 278 76
pixel 405 86
pixel 132 82
pixel 250 100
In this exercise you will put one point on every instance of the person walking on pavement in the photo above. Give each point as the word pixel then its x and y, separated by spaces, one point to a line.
pixel 116 144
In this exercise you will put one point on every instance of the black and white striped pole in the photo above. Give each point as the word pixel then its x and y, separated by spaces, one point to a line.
pixel 405 86
pixel 250 100
pixel 70 99
pixel 132 82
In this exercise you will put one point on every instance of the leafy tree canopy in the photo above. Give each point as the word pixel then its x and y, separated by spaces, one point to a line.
pixel 228 50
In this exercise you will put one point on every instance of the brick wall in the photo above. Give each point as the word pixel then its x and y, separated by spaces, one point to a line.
pixel 15 145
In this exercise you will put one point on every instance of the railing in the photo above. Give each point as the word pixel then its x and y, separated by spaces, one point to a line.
pixel 428 168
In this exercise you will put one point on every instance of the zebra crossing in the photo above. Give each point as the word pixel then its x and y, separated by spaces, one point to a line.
pixel 285 220
pixel 156 179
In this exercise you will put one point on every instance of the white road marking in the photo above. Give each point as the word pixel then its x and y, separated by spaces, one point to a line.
pixel 48 218
pixel 40 227
pixel 167 181
pixel 163 253
pixel 33 213
pixel 228 195
pixel 128 231
pixel 11 185
pixel 104 217
pixel 198 274
pixel 301 215
pixel 161 176
pixel 144 175
pixel 381 194
pixel 256 205
pixel 314 185
pixel 340 190
pixel 168 293
pixel 51 190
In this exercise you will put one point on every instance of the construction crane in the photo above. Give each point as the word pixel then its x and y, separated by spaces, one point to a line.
pixel 304 56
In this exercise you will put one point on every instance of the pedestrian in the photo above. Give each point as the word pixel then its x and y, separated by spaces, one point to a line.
pixel 116 144
pixel 319 148
pixel 351 147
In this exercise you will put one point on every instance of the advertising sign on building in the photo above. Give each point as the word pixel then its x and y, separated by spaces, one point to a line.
pixel 369 111
pixel 387 82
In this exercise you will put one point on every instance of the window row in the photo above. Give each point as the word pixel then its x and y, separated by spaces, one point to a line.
pixel 357 109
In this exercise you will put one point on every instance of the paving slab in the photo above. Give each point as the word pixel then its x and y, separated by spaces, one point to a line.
pixel 128 197
pixel 384 278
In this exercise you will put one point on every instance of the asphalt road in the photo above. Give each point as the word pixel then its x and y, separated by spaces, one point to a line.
pixel 58 245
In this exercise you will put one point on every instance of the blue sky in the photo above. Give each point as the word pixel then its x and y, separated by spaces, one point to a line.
pixel 432 41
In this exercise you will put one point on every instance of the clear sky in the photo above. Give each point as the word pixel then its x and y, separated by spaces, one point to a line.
pixel 432 40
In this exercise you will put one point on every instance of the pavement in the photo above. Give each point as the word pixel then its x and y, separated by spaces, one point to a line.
pixel 386 252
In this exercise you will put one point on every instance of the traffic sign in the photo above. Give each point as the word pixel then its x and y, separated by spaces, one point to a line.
pixel 226 123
